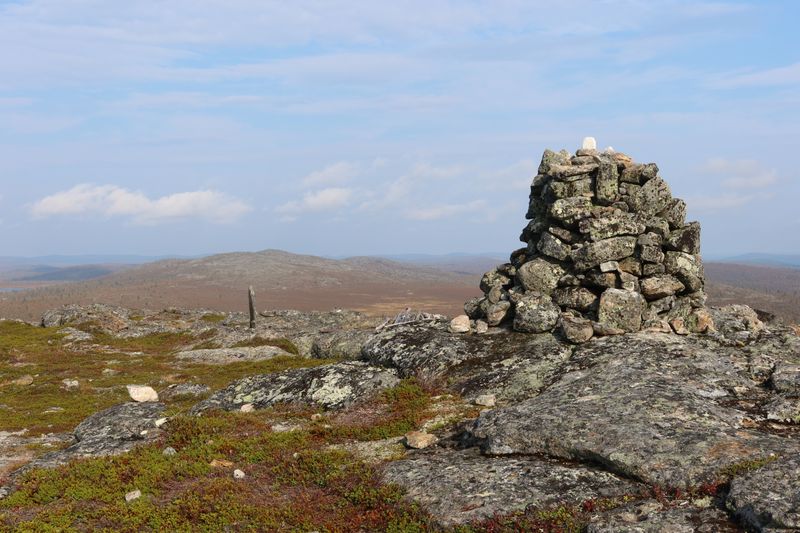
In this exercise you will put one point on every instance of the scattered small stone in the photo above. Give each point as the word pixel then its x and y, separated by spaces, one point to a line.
pixel 142 393
pixel 589 143
pixel 169 451
pixel 486 400
pixel 160 422
pixel 70 384
pixel 316 416
pixel 460 324
pixel 238 474
pixel 481 327
pixel 419 440
pixel 247 408
pixel 133 495
pixel 108 372
pixel 220 463
pixel 23 381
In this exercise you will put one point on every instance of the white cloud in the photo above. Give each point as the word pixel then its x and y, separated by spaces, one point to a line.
pixel 443 211
pixel 741 174
pixel 336 173
pixel 111 200
pixel 315 201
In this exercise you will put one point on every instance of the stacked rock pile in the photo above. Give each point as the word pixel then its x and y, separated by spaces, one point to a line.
pixel 608 251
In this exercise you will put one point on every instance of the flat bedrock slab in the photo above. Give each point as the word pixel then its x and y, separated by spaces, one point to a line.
pixel 461 486
pixel 650 406
pixel 770 496
pixel 224 356
pixel 509 364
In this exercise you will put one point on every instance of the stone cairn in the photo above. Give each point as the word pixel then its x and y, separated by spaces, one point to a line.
pixel 608 252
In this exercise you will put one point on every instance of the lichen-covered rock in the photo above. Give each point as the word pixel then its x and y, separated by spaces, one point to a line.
pixel 737 322
pixel 575 329
pixel 535 314
pixel 329 386
pixel 459 487
pixel 685 239
pixel 687 268
pixel 769 497
pixel 508 364
pixel 593 210
pixel 653 407
pixel 592 254
pixel 114 431
pixel 656 287
pixel 224 356
pixel 540 275
pixel 621 309
pixel 651 516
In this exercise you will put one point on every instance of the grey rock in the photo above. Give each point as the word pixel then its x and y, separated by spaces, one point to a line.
pixel 769 498
pixel 552 246
pixel 621 309
pixel 508 364
pixel 570 211
pixel 329 386
pixel 737 322
pixel 607 183
pixel 579 298
pixel 661 419
pixel 611 224
pixel 653 197
pixel 656 287
pixel 535 314
pixel 458 487
pixel 675 213
pixel 572 172
pixel 551 158
pixel 184 390
pixel 494 277
pixel 496 313
pixel 575 329
pixel 651 254
pixel 592 254
pixel 639 173
pixel 651 516
pixel 224 356
pixel 685 239
pixel 653 269
pixel 540 274
pixel 472 308
pixel 687 268
pixel 786 377
pixel 113 431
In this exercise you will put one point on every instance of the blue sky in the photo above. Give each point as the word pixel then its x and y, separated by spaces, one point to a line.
pixel 343 128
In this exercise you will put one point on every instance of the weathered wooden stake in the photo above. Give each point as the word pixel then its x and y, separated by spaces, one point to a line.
pixel 251 297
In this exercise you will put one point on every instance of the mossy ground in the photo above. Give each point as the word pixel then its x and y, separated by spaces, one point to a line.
pixel 45 406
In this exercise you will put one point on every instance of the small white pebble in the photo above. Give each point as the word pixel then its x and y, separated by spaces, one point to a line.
pixel 238 474
pixel 169 451
pixel 316 416
pixel 589 143
pixel 133 495
pixel 160 422
pixel 247 408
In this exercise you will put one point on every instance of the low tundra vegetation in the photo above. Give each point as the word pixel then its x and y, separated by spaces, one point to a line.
pixel 34 362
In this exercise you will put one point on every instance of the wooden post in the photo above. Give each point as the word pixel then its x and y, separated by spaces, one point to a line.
pixel 251 297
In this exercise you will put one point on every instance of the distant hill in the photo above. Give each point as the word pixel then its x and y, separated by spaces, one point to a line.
pixel 374 284
pixel 792 261
pixel 281 280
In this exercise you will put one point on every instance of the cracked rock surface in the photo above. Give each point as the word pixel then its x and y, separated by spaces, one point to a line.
pixel 329 386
